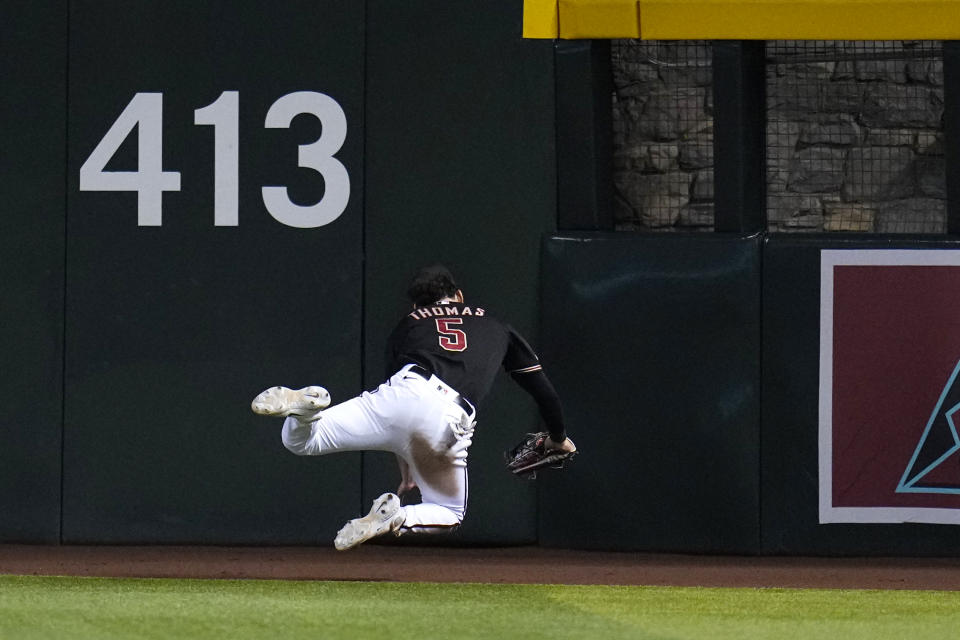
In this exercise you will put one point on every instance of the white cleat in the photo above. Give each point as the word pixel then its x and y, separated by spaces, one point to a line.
pixel 280 401
pixel 385 516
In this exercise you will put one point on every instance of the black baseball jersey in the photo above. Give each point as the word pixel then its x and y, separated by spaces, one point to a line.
pixel 461 344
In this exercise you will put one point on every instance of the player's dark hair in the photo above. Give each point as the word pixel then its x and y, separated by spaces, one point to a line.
pixel 431 284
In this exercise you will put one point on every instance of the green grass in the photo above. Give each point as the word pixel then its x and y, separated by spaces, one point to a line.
pixel 82 608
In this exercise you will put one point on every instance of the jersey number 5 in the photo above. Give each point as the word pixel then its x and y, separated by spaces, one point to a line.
pixel 451 339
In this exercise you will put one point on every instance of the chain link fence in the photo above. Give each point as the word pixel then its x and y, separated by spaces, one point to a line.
pixel 854 136
pixel 663 135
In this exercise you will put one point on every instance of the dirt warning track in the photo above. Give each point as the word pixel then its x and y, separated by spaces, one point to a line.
pixel 491 565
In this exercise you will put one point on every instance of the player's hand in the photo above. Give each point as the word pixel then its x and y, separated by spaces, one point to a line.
pixel 405 486
pixel 406 480
pixel 566 445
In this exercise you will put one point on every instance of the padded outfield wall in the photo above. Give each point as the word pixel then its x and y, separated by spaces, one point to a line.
pixel 858 370
pixel 205 200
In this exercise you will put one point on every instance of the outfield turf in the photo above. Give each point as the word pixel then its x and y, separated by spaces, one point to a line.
pixel 82 608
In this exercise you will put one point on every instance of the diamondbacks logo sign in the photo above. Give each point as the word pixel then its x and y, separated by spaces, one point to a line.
pixel 889 387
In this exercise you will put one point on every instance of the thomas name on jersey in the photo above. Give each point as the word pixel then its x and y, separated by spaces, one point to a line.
pixel 430 312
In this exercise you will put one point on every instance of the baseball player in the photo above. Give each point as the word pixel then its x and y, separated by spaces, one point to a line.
pixel 442 359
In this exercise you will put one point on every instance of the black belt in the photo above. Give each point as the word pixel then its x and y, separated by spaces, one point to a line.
pixel 459 399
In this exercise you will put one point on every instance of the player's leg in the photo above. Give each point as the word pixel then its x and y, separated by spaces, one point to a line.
pixel 443 486
pixel 445 499
pixel 365 423
pixel 436 457
pixel 441 511
pixel 444 502
pixel 432 442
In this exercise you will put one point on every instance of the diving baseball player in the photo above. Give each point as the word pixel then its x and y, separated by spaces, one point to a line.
pixel 442 359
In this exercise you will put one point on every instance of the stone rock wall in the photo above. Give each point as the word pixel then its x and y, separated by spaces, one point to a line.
pixel 663 135
pixel 854 136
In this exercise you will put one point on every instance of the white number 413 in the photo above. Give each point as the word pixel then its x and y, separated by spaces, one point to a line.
pixel 145 111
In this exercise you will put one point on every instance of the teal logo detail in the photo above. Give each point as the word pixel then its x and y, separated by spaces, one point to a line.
pixel 938 443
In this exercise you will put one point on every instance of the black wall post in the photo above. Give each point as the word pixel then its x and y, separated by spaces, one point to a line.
pixel 951 131
pixel 739 138
pixel 584 136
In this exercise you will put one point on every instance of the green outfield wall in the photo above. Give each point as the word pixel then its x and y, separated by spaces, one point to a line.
pixel 196 210
pixel 32 263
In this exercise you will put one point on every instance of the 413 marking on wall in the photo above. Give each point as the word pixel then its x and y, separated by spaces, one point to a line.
pixel 149 181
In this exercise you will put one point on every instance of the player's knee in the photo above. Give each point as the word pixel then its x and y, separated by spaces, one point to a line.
pixel 295 448
pixel 298 440
pixel 458 514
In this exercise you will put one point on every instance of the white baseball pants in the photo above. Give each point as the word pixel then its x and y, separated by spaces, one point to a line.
pixel 414 418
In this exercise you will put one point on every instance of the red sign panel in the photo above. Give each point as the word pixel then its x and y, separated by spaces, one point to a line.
pixel 889 387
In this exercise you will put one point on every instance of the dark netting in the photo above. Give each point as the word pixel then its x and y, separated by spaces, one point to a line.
pixel 855 136
pixel 663 135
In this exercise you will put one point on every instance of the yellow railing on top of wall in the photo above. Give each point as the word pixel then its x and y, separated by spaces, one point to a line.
pixel 743 19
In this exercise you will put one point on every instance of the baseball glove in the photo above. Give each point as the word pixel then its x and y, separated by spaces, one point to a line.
pixel 530 455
